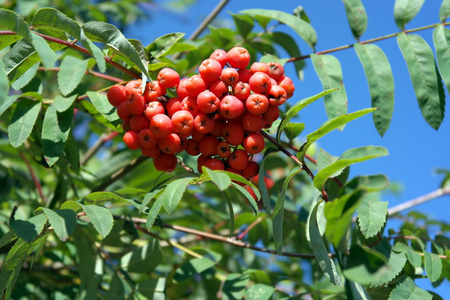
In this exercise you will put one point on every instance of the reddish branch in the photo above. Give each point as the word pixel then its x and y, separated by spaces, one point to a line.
pixel 36 182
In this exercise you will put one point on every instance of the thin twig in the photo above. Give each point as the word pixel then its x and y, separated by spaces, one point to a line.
pixel 100 142
pixel 368 41
pixel 419 200
pixel 249 227
pixel 36 182
pixel 281 148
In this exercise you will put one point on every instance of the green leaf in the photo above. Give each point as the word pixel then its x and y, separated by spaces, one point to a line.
pixel 153 212
pixel 28 230
pixel 363 263
pixel 381 83
pixel 433 266
pixel 331 125
pixel 425 78
pixel 7 238
pixel 291 47
pixel 294 110
pixel 111 36
pixel 50 17
pixel 441 39
pixel 228 195
pixel 116 289
pixel 152 288
pixel 43 49
pixel 372 215
pixel 339 213
pixel 239 178
pixel 248 196
pixel 142 260
pixel 234 286
pixel 407 289
pixel 100 217
pixel 100 198
pixel 324 159
pixel 220 179
pixel 101 103
pixel 278 211
pixel 405 11
pixel 244 24
pixel 262 183
pixel 9 20
pixel 70 73
pixel 25 78
pixel 192 267
pixel 394 266
pixel 55 132
pixel 349 157
pixel 173 193
pixel 444 11
pixel 7 102
pixel 414 257
pixel 163 44
pixel 259 292
pixel 293 130
pixel 73 205
pixel 329 71
pixel 22 121
pixel 63 103
pixel 63 221
pixel 267 58
pixel 301 27
pixel 7 40
pixel 326 264
pixel 356 17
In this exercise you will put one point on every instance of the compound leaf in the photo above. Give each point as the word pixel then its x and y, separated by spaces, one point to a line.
pixel 173 192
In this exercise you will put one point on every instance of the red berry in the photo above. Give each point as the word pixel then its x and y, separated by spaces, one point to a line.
pixel 254 143
pixel 210 70
pixel 221 56
pixel 260 83
pixel 190 104
pixel 131 140
pixel 195 85
pixel 238 159
pixel 257 104
pixel 182 121
pixel 122 111
pixel 147 139
pixel 208 145
pixel 244 75
pixel 117 94
pixel 218 88
pixel 241 90
pixel 151 152
pixel 259 67
pixel 181 88
pixel 223 149
pixel 230 76
pixel 276 71
pixel 153 90
pixel 277 95
pixel 173 105
pixel 154 108
pixel 134 86
pixel 251 122
pixel 251 171
pixel 233 133
pixel 135 104
pixel 161 126
pixel 203 123
pixel 165 162
pixel 214 164
pixel 231 107
pixel 207 102
pixel 168 77
pixel 192 147
pixel 170 144
pixel 139 122
pixel 238 57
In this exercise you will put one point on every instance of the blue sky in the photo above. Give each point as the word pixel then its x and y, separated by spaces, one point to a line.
pixel 415 149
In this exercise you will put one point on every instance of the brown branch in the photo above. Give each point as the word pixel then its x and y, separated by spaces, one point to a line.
pixel 281 148
pixel 100 142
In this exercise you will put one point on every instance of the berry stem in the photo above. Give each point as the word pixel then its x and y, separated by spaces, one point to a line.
pixel 281 148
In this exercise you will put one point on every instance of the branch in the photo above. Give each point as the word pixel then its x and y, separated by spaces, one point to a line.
pixel 368 41
pixel 100 142
pixel 33 176
pixel 419 200
pixel 281 148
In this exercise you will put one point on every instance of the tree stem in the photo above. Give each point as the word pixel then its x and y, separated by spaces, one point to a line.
pixel 419 200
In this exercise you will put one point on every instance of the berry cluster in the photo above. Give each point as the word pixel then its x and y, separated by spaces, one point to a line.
pixel 217 114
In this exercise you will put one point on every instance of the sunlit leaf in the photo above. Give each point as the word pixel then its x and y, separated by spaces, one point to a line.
pixel 329 71
pixel 22 121
pixel 63 221
pixel 100 217
pixel 356 17
pixel 441 39
pixel 372 215
pixel 101 103
pixel 381 83
pixel 425 77
pixel 71 71
pixel 163 44
pixel 301 27
pixel 173 193
pixel 192 267
pixel 407 289
pixel 444 11
pixel 221 180
pixel 405 11
pixel 433 266
pixel 25 78
pixel 259 292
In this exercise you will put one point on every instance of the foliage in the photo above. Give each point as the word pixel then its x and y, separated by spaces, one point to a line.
pixel 81 224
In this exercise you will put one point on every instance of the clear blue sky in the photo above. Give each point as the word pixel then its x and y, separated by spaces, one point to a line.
pixel 416 149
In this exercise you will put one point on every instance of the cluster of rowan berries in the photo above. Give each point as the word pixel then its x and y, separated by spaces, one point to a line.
pixel 216 114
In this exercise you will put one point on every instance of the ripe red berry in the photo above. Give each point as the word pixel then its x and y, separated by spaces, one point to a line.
pixel 161 126
pixel 231 107
pixel 223 149
pixel 218 88
pixel 257 104
pixel 271 114
pixel 147 139
pixel 241 90
pixel 277 95
pixel 154 108
pixel 151 152
pixel 192 148
pixel 276 71
pixel 233 133
pixel 153 90
pixel 254 143
pixel 195 85
pixel 201 160
pixel 221 56
pixel 168 77
pixel 134 86
pixel 165 162
pixel 208 145
pixel 230 76
pixel 251 170
pixel 190 104
pixel 139 122
pixel 173 105
pixel 181 88
pixel 203 123
pixel 135 104
pixel 244 75
pixel 214 164
pixel 182 121
pixel 117 94
pixel 131 140
pixel 170 144
pixel 259 67
pixel 287 84
pixel 238 159
pixel 251 122
pixel 210 70
pixel 122 111
pixel 207 102
pixel 238 57
pixel 260 83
